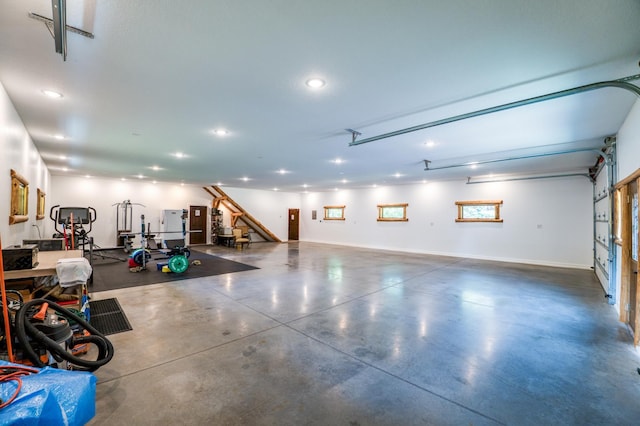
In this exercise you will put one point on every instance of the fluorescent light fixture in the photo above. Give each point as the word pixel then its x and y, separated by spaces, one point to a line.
pixel 246 179
pixel 283 171
pixel 338 160
pixel 155 168
pixel 59 137
pixel 315 83
pixel 275 189
pixel 179 155
pixel 430 144
pixel 52 94
pixel 220 132
pixel 140 176
pixel 63 157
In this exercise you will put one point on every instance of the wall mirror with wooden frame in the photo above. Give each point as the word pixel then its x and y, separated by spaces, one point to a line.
pixel 19 199
pixel 40 206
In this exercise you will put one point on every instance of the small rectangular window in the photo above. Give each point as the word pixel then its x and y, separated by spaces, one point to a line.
pixel 479 211
pixel 392 212
pixel 334 212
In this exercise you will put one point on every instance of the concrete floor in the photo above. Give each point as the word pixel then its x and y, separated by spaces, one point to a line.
pixel 333 335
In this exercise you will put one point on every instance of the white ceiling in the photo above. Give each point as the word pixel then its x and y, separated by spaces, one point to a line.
pixel 160 75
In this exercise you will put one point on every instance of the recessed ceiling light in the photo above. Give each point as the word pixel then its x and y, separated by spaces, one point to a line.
pixel 220 132
pixel 123 179
pixel 59 137
pixel 283 171
pixel 154 182
pixel 64 169
pixel 397 175
pixel 140 176
pixel 430 144
pixel 178 155
pixel 305 186
pixel 275 189
pixel 338 160
pixel 63 157
pixel 155 168
pixel 344 181
pixel 88 176
pixel 246 179
pixel 315 83
pixel 52 94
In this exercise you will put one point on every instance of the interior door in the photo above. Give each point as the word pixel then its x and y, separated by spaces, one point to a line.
pixel 197 224
pixel 294 224
pixel 633 282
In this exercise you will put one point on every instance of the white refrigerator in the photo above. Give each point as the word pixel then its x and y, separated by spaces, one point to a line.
pixel 171 225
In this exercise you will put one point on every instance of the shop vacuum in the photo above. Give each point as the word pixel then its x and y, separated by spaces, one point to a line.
pixel 44 333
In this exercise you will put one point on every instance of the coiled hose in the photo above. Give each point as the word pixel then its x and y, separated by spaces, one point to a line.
pixel 25 329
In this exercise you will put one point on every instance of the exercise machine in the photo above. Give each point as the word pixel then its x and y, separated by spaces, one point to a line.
pixel 71 221
pixel 124 220
pixel 176 251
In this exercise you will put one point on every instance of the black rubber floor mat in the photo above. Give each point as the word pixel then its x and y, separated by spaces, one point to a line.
pixel 108 317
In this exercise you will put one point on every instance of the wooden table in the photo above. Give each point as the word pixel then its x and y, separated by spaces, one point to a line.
pixel 46 264
pixel 226 239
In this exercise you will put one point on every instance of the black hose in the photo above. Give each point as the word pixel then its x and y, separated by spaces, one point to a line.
pixel 24 329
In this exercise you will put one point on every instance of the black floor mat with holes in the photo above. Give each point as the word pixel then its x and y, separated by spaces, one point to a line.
pixel 108 317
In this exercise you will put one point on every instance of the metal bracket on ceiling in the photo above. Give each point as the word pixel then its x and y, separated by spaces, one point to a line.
pixel 49 23
pixel 354 134
pixel 58 28
pixel 426 164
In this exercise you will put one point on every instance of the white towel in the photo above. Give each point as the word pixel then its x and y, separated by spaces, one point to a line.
pixel 73 271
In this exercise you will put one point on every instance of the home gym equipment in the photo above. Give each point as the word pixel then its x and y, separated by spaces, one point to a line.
pixel 124 218
pixel 139 258
pixel 72 221
pixel 176 251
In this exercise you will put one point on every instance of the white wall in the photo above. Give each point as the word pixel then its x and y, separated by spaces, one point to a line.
pixel 628 143
pixel 271 208
pixel 546 221
pixel 19 153
pixel 101 194
pixel 268 207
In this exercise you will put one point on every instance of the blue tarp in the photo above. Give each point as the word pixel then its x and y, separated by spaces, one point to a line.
pixel 51 397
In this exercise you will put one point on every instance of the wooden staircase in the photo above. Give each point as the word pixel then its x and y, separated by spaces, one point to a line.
pixel 238 213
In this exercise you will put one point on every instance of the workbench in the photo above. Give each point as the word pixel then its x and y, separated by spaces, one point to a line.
pixel 47 261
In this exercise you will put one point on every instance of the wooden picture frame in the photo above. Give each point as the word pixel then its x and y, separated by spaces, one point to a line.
pixel 19 198
pixel 40 205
